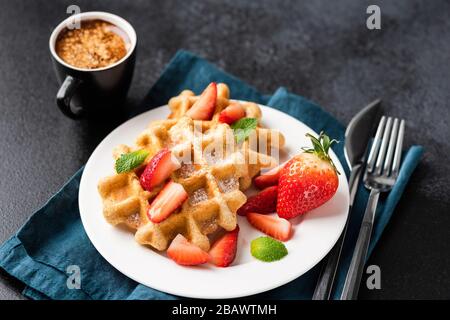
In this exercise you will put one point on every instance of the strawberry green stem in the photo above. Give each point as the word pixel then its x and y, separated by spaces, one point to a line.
pixel 321 147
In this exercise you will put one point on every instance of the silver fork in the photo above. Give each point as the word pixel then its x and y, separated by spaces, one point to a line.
pixel 381 172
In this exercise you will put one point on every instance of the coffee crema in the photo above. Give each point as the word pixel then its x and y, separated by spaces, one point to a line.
pixel 96 44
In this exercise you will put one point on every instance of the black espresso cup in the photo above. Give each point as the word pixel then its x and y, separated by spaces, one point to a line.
pixel 93 91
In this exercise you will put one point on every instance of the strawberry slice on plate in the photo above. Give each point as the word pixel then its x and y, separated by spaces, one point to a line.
pixel 185 253
pixel 308 180
pixel 275 227
pixel 232 113
pixel 223 251
pixel 167 201
pixel 203 108
pixel 269 178
pixel 263 202
pixel 158 169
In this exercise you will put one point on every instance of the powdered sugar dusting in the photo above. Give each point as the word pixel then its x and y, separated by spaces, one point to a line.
pixel 186 170
pixel 228 185
pixel 198 196
pixel 134 219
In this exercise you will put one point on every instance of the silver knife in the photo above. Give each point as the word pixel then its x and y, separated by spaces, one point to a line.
pixel 357 137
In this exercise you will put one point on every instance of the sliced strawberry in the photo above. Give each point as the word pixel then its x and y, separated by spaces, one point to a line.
pixel 232 113
pixel 203 108
pixel 185 253
pixel 269 178
pixel 223 251
pixel 263 202
pixel 277 228
pixel 158 169
pixel 168 199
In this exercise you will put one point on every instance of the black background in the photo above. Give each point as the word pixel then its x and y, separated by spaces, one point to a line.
pixel 319 49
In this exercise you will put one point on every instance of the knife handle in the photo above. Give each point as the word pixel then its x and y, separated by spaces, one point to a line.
pixel 326 278
pixel 354 274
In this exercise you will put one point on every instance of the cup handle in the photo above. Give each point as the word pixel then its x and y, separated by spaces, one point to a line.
pixel 64 96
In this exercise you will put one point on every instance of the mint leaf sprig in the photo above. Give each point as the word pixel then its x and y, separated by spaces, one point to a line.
pixel 129 161
pixel 243 128
pixel 267 249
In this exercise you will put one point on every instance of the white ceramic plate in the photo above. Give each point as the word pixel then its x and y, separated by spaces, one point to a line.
pixel 315 233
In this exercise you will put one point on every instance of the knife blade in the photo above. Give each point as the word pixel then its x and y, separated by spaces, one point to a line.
pixel 357 137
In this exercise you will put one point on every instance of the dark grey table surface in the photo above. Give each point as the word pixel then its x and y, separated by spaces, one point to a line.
pixel 319 49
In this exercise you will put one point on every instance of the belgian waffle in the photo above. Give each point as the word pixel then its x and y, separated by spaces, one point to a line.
pixel 214 173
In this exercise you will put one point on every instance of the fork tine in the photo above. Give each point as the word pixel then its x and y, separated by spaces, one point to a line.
pixel 375 145
pixel 398 149
pixel 384 144
pixel 391 148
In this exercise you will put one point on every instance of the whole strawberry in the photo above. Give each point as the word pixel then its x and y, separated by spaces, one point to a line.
pixel 308 180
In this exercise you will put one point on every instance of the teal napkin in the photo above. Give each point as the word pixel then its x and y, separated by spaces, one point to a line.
pixel 53 239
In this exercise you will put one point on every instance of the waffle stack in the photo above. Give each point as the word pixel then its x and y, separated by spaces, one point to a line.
pixel 214 172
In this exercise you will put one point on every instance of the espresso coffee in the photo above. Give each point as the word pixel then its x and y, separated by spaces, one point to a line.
pixel 94 63
pixel 96 44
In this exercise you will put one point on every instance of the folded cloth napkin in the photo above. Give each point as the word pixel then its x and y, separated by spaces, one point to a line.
pixel 42 252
